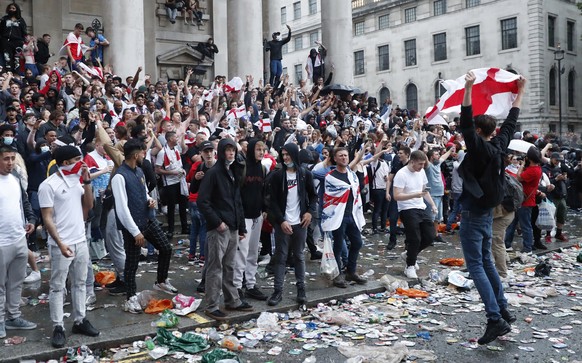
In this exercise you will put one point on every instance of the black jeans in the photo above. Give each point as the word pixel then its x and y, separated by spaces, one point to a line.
pixel 380 207
pixel 172 196
pixel 350 230
pixel 419 230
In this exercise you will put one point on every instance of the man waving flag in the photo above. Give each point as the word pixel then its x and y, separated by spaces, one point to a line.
pixel 493 93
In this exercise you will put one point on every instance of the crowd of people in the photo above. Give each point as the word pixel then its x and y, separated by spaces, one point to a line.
pixel 258 172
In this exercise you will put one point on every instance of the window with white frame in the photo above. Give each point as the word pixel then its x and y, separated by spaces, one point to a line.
pixel 297 10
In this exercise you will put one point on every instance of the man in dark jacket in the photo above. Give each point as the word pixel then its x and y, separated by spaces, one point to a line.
pixel 219 201
pixel 291 203
pixel 253 205
pixel 43 53
pixel 557 171
pixel 275 46
pixel 484 153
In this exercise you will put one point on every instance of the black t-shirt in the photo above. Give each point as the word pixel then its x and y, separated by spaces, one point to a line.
pixel 344 177
pixel 396 166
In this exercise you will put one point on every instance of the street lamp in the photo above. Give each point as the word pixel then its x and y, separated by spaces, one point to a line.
pixel 559 56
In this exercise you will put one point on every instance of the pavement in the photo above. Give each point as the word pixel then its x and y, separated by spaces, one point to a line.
pixel 118 327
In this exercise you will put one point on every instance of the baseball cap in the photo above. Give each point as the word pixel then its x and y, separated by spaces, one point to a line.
pixel 205 145
pixel 556 155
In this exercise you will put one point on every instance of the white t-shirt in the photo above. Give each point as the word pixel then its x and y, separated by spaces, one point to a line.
pixel 293 210
pixel 67 208
pixel 12 220
pixel 175 162
pixel 410 182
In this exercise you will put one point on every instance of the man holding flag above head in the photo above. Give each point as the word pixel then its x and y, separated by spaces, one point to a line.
pixel 482 172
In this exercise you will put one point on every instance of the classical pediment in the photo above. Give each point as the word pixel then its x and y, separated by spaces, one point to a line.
pixel 184 55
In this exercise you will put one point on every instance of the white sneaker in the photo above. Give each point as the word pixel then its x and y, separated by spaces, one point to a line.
pixel 265 261
pixel 132 305
pixel 33 277
pixel 90 300
pixel 410 272
pixel 403 256
pixel 165 287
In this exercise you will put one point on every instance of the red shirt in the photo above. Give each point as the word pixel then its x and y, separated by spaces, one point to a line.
pixel 530 179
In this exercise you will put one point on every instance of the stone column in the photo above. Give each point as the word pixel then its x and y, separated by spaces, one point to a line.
pixel 271 24
pixel 220 35
pixel 336 29
pixel 245 42
pixel 48 18
pixel 123 22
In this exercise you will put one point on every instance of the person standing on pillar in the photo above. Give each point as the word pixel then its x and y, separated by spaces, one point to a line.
pixel 12 35
pixel 275 47
pixel 75 48
pixel 96 45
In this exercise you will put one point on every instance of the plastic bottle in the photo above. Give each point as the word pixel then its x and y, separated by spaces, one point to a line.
pixel 231 343
pixel 149 343
pixel 368 273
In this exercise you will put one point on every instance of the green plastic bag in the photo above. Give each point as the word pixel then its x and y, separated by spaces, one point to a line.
pixel 188 343
pixel 167 320
pixel 218 354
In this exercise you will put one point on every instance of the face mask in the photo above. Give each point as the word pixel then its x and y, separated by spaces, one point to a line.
pixel 290 164
pixel 12 12
pixel 44 149
pixel 435 162
pixel 72 169
pixel 8 140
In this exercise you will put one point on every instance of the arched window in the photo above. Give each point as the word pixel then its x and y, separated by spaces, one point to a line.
pixel 411 97
pixel 571 88
pixel 439 90
pixel 552 87
pixel 384 94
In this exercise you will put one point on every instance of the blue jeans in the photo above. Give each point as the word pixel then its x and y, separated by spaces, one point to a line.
pixel 276 71
pixel 456 210
pixel 476 233
pixel 350 230
pixel 523 216
pixel 197 229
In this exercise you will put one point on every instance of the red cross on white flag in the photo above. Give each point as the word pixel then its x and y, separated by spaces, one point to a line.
pixel 493 93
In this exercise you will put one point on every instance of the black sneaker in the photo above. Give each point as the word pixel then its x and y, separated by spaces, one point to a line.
pixel 356 278
pixel 275 298
pixel 539 246
pixel 256 294
pixel 152 258
pixel 216 315
pixel 390 246
pixel 301 297
pixel 114 284
pixel 241 294
pixel 118 291
pixel 244 306
pixel 495 328
pixel 58 340
pixel 85 328
pixel 201 288
pixel 316 255
pixel 508 316
pixel 340 281
pixel 439 239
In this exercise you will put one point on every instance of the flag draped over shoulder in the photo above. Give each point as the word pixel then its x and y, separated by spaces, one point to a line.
pixel 335 199
pixel 493 93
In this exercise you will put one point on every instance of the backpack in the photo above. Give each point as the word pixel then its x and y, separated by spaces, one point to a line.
pixel 513 197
